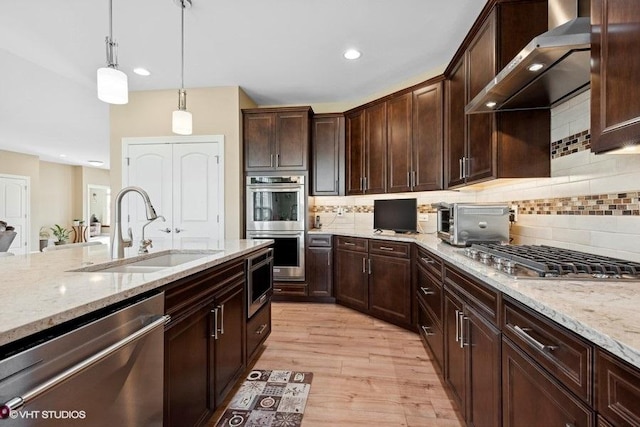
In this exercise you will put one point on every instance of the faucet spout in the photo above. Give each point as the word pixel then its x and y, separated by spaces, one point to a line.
pixel 118 243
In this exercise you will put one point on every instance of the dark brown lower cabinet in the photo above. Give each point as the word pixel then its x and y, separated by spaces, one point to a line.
pixel 472 366
pixel 531 397
pixel 618 391
pixel 390 288
pixel 352 279
pixel 258 329
pixel 319 271
pixel 205 342
pixel 430 333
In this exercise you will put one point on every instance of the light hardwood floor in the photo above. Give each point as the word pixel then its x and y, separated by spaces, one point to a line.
pixel 366 371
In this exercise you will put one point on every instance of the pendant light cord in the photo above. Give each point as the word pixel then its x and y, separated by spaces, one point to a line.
pixel 182 47
pixel 110 20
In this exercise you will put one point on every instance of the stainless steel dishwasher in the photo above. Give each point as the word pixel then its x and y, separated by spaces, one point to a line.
pixel 105 371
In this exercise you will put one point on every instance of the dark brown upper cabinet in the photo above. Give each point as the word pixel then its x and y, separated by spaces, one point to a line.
pixel 481 147
pixel 276 139
pixel 327 155
pixel 615 67
pixel 366 146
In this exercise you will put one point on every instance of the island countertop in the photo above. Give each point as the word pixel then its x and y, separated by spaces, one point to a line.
pixel 39 290
pixel 603 312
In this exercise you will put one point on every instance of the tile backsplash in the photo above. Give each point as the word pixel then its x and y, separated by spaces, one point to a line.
pixel 589 203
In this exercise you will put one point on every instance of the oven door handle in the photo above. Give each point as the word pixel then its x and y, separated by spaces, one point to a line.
pixel 19 401
pixel 275 189
pixel 275 235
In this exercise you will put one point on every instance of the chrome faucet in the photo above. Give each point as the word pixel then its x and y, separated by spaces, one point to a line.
pixel 118 243
pixel 147 243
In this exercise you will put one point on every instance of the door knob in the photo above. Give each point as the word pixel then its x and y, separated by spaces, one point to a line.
pixel 165 230
pixel 178 230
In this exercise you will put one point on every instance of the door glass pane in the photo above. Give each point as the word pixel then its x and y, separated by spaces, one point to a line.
pixel 275 206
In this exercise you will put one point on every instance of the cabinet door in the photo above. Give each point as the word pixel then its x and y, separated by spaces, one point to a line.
pixel 258 135
pixel 375 149
pixel 532 398
pixel 481 68
pixel 455 125
pixel 455 362
pixel 427 138
pixel 319 271
pixel 292 140
pixel 399 138
pixel 351 280
pixel 229 353
pixel 327 156
pixel 615 66
pixel 430 333
pixel 390 289
pixel 482 341
pixel 355 153
pixel 188 370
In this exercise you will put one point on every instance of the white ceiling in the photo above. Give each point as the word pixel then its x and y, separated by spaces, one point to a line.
pixel 279 51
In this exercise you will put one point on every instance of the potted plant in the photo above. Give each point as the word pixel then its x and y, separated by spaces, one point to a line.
pixel 61 233
pixel 44 238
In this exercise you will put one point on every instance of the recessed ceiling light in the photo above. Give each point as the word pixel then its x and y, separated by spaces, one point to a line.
pixel 535 67
pixel 142 71
pixel 491 104
pixel 95 162
pixel 63 155
pixel 352 54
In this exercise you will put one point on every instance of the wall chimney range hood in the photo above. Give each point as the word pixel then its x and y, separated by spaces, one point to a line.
pixel 552 68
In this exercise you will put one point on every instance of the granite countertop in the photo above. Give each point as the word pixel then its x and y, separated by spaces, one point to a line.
pixel 39 291
pixel 603 312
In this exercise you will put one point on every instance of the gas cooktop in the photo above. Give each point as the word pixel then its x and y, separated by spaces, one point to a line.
pixel 534 262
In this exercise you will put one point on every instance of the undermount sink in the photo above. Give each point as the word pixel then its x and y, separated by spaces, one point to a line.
pixel 149 263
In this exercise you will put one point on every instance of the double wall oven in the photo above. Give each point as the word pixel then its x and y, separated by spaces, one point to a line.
pixel 276 209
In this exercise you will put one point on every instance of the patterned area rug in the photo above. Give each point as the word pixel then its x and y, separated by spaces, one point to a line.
pixel 269 399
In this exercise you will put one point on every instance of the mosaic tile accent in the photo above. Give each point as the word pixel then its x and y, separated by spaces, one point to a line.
pixel 360 209
pixel 597 204
pixel 571 144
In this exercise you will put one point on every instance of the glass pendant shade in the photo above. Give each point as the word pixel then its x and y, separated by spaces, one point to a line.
pixel 182 122
pixel 112 86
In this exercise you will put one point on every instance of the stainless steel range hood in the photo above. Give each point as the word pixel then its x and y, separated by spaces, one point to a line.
pixel 552 68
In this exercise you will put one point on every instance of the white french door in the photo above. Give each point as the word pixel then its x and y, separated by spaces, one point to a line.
pixel 14 210
pixel 185 184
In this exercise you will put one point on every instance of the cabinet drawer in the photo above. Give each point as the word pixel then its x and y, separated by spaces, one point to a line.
pixel 284 289
pixel 258 329
pixel 430 262
pixel 352 244
pixel 430 333
pixel 430 293
pixel 618 392
pixel 485 300
pixel 385 247
pixel 322 240
pixel 564 355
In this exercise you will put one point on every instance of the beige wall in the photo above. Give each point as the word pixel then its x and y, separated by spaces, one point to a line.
pixel 58 194
pixel 215 112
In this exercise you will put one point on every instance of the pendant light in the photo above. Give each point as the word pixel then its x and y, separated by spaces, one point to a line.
pixel 112 83
pixel 182 122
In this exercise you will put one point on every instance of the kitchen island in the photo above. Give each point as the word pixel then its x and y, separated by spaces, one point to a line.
pixel 40 290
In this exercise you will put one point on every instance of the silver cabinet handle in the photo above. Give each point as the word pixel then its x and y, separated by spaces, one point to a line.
pixel 369 262
pixel 328 258
pixel 277 160
pixel 427 291
pixel 364 268
pixel 19 401
pixel 222 319
pixel 214 334
pixel 261 329
pixel 427 260
pixel 457 325
pixel 460 167
pixel 165 230
pixel 414 178
pixel 427 331
pixel 408 179
pixel 462 334
pixel 366 183
pixel 178 230
pixel 349 244
pixel 522 332
pixel 361 184
pixel 277 290
pixel 467 167
pixel 270 160
pixel 386 248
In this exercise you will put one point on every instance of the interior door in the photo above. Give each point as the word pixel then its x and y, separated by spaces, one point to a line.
pixel 14 194
pixel 196 192
pixel 150 167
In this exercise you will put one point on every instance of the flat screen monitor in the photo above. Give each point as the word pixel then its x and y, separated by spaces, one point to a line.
pixel 399 215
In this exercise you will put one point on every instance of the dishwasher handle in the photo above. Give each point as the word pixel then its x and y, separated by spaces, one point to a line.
pixel 19 401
